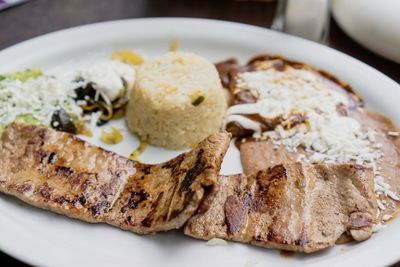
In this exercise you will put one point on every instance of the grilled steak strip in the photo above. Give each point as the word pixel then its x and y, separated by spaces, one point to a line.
pixel 293 207
pixel 62 173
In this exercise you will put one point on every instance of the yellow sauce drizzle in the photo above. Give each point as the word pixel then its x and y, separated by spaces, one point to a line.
pixel 111 138
pixel 128 57
pixel 174 45
pixel 139 150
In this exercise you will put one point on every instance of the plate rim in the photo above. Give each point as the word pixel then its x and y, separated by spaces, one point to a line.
pixel 113 23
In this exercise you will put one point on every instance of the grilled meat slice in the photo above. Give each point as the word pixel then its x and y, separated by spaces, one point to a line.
pixel 59 172
pixel 293 207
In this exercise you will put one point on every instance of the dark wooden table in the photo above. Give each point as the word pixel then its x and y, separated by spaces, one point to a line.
pixel 41 16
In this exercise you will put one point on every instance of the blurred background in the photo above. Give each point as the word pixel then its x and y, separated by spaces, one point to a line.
pixel 36 17
pixel 357 18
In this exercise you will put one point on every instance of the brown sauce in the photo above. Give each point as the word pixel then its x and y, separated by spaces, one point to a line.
pixel 287 254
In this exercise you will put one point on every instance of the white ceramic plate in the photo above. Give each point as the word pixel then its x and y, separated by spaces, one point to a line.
pixel 45 239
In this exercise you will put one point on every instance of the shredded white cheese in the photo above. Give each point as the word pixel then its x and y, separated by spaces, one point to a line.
pixel 37 98
pixel 280 92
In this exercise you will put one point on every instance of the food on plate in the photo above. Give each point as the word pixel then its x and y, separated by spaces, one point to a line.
pixel 62 173
pixel 319 168
pixel 297 207
pixel 177 101
pixel 96 94
pixel 102 88
pixel 285 111
pixel 128 57
pixel 138 150
pixel 173 46
pixel 112 136
pixel 35 98
pixel 22 76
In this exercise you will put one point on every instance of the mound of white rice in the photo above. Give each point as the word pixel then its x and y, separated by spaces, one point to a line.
pixel 177 101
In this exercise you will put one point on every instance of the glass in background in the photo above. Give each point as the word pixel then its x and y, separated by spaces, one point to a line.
pixel 305 18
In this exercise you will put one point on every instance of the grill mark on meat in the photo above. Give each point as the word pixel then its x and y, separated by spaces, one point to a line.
pixel 62 200
pixel 25 187
pixel 146 169
pixel 46 191
pixel 174 163
pixel 135 199
pixel 98 208
pixel 272 236
pixel 76 179
pixel 41 134
pixel 271 183
pixel 193 172
pixel 150 216
pixel 64 171
pixel 188 198
pixel 277 172
pixel 302 242
pixel 234 213
pixel 41 155
pixel 87 183
pixel 82 200
pixel 52 158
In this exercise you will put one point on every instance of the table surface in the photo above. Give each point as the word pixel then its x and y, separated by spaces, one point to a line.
pixel 37 17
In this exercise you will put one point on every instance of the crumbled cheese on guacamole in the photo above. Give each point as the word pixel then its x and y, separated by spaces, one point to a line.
pixel 34 99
